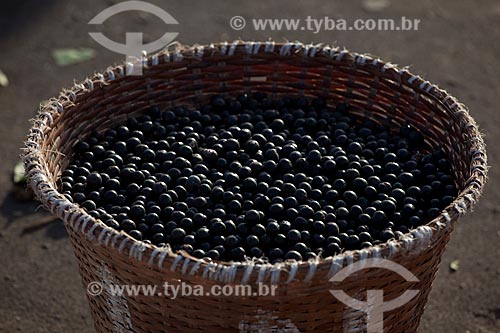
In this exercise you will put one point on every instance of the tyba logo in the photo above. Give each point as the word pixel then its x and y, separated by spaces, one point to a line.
pixel 374 307
pixel 134 45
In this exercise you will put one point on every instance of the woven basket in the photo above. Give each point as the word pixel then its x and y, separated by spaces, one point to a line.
pixel 189 76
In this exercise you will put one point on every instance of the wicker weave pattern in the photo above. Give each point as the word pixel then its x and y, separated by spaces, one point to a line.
pixel 189 76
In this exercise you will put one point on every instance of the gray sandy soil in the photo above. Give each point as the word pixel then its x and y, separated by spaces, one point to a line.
pixel 457 47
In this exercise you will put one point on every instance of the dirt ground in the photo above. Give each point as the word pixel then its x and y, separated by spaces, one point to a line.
pixel 457 47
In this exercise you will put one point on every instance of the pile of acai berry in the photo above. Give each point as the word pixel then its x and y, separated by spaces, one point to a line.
pixel 255 177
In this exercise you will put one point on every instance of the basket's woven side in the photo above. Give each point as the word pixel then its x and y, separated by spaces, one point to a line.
pixel 376 90
pixel 297 306
pixel 110 311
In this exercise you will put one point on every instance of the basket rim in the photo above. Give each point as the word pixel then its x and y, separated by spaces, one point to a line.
pixel 78 221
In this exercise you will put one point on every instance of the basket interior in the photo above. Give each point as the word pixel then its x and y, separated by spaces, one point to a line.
pixel 373 95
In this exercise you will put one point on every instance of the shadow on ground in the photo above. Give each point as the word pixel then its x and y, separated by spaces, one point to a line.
pixel 27 213
pixel 17 15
